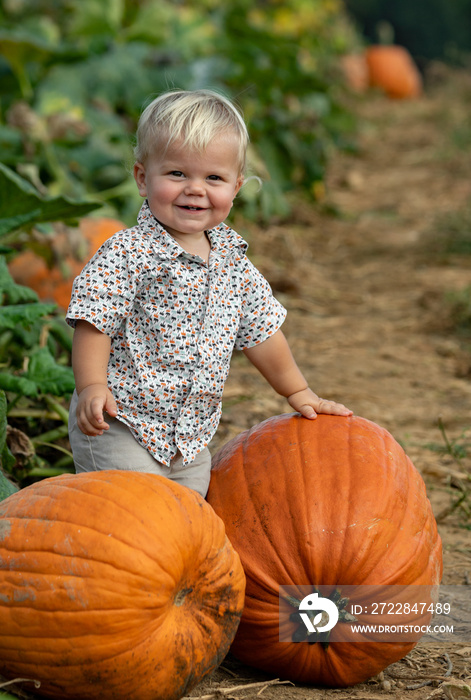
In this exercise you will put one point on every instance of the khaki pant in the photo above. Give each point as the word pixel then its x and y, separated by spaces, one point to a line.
pixel 118 449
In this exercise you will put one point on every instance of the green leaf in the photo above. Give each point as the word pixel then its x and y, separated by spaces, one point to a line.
pixel 17 385
pixel 92 17
pixel 11 144
pixel 6 458
pixel 49 377
pixel 19 48
pixel 8 696
pixel 23 314
pixel 6 489
pixel 13 223
pixel 43 376
pixel 21 204
pixel 61 332
pixel 152 23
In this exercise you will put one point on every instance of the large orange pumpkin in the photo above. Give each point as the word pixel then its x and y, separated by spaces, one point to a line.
pixel 55 283
pixel 391 68
pixel 332 502
pixel 114 585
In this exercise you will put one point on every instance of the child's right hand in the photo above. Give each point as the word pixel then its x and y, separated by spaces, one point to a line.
pixel 93 401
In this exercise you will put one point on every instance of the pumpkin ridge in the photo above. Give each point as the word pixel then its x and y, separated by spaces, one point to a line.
pixel 72 577
pixel 269 583
pixel 348 515
pixel 50 651
pixel 280 564
pixel 426 523
pixel 309 560
pixel 103 571
pixel 369 565
pixel 242 439
pixel 351 451
pixel 21 604
pixel 86 557
pixel 341 447
pixel 104 496
pixel 88 611
pixel 310 553
pixel 189 673
pixel 100 524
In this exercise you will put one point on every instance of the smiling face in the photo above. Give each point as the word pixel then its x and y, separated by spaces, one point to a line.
pixel 190 192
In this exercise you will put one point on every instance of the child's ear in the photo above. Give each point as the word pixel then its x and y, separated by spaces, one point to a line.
pixel 239 183
pixel 139 173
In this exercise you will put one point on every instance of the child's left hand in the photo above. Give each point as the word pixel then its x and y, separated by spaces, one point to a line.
pixel 309 405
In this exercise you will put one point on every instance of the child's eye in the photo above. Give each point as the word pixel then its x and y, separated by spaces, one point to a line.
pixel 214 177
pixel 176 173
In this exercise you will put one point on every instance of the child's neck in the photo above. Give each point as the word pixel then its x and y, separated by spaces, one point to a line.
pixel 195 245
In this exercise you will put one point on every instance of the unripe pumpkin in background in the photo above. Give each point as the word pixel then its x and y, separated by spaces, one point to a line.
pixel 54 283
pixel 327 502
pixel 114 585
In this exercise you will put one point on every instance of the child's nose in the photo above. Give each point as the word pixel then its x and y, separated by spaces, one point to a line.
pixel 195 186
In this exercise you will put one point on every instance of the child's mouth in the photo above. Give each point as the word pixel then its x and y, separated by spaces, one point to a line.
pixel 188 208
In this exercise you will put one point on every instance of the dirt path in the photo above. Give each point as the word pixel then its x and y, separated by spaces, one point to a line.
pixel 368 325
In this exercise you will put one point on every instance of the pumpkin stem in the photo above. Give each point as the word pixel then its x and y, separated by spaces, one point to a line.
pixel 181 595
pixel 302 634
pixel 385 31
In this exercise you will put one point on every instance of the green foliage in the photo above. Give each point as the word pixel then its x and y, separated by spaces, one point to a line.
pixel 35 343
pixel 6 458
pixel 77 73
pixel 21 205
pixel 36 377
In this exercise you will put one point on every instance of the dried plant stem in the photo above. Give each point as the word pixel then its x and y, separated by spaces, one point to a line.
pixel 247 686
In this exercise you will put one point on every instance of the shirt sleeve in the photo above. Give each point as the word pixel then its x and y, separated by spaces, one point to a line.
pixel 104 291
pixel 262 313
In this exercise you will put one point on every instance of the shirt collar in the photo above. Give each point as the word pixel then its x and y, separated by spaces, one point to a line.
pixel 168 247
pixel 224 240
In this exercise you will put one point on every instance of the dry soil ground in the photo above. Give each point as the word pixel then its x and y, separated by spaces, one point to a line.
pixel 368 324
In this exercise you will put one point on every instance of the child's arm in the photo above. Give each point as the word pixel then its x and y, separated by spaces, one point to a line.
pixel 90 355
pixel 274 361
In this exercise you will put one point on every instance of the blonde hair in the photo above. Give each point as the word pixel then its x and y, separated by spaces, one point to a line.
pixel 193 117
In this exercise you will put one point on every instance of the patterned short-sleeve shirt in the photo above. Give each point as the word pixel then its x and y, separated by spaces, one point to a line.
pixel 173 321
